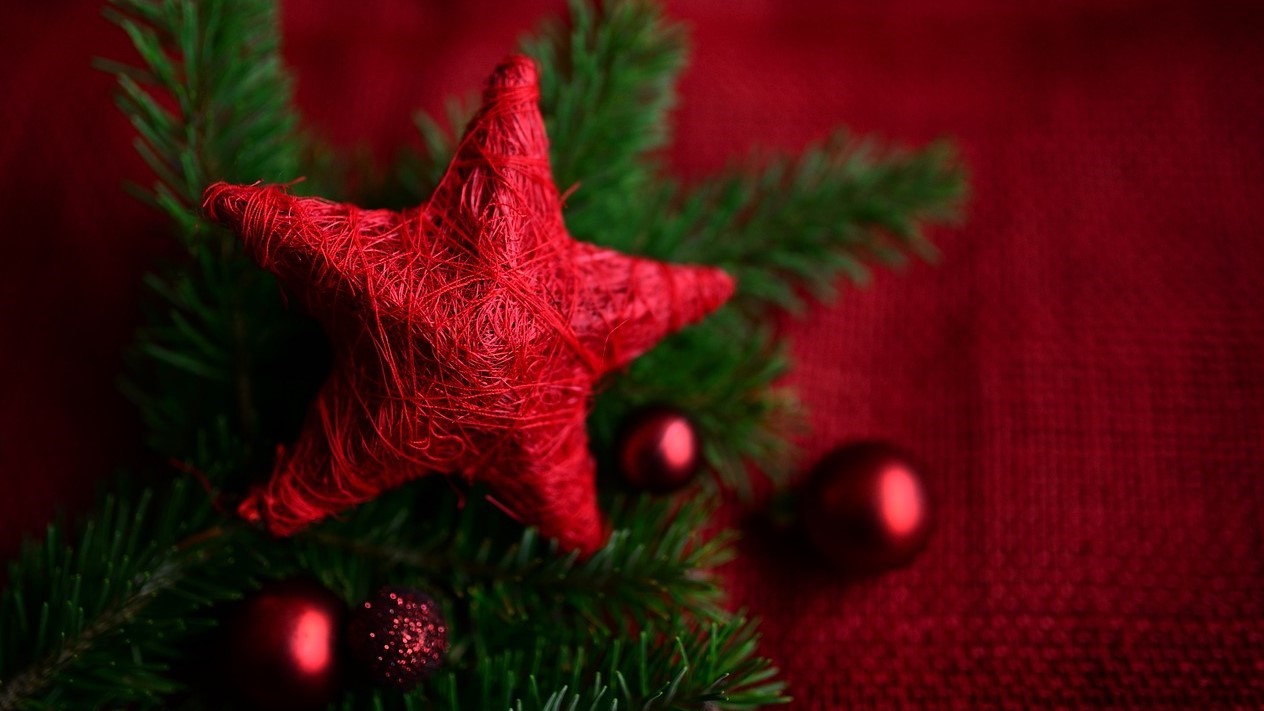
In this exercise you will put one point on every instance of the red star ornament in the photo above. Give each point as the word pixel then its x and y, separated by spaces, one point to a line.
pixel 468 332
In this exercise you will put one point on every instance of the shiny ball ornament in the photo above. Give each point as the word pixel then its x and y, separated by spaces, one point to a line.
pixel 282 647
pixel 398 637
pixel 865 508
pixel 659 450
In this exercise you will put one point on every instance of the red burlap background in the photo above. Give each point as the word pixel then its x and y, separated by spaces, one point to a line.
pixel 1084 372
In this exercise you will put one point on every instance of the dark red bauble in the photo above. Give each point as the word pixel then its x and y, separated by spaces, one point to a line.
pixel 659 450
pixel 282 647
pixel 398 637
pixel 865 508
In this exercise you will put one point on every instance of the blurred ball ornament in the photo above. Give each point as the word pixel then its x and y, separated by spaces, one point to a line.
pixel 865 508
pixel 399 637
pixel 659 449
pixel 281 646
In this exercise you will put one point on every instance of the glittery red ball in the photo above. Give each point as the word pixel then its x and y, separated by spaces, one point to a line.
pixel 398 636
pixel 281 647
pixel 865 508
pixel 659 450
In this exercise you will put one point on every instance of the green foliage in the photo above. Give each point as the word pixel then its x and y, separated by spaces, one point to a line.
pixel 708 667
pixel 140 582
pixel 608 80
pixel 656 564
pixel 608 77
pixel 680 665
pixel 792 226
pixel 722 372
pixel 96 619
pixel 645 611
pixel 800 223
pixel 212 101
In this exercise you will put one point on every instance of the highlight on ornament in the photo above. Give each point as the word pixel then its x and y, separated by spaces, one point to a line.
pixel 659 450
pixel 865 507
pixel 281 646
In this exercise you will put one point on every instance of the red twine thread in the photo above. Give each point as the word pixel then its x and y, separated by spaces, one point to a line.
pixel 468 333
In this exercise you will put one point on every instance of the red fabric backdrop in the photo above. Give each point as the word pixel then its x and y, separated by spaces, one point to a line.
pixel 1084 372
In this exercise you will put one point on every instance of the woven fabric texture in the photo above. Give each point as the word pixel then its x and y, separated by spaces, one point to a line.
pixel 1083 372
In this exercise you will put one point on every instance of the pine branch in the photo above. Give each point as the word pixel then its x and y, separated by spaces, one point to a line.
pixel 723 373
pixel 678 665
pixel 608 79
pixel 212 101
pixel 90 624
pixel 804 223
pixel 526 621
pixel 702 667
pixel 795 225
pixel 656 564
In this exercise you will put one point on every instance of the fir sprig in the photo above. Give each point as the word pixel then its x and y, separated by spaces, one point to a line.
pixel 607 82
pixel 799 224
pixel 211 100
pixel 94 621
pixel 528 622
pixel 656 565
pixel 723 374
pixel 684 665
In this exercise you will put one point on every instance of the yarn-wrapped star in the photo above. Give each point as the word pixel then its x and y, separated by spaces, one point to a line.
pixel 468 333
